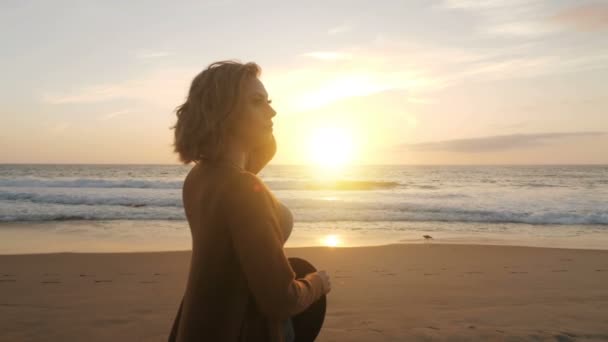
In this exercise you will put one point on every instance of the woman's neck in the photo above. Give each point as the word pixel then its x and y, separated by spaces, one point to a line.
pixel 236 156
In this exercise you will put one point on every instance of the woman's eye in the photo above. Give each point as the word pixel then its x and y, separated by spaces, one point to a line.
pixel 260 101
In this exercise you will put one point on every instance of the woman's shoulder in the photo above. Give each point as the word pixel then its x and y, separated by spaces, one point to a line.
pixel 220 180
pixel 245 181
pixel 247 188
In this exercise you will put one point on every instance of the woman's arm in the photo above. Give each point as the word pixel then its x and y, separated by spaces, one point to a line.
pixel 254 228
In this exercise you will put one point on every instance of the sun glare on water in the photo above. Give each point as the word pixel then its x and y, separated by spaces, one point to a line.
pixel 331 241
pixel 330 147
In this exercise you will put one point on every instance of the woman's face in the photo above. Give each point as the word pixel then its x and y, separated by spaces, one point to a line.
pixel 255 128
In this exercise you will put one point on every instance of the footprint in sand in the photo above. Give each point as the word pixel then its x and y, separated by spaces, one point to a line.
pixel 432 327
pixel 103 281
pixel 83 275
pixel 517 272
pixel 601 270
pixel 368 329
pixel 342 276
pixel 384 272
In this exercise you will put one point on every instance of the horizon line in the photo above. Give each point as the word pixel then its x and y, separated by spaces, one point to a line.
pixel 356 165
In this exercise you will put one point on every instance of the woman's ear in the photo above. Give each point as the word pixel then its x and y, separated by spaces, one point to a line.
pixel 260 156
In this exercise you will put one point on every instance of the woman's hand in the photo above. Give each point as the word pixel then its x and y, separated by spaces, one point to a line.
pixel 260 156
pixel 326 283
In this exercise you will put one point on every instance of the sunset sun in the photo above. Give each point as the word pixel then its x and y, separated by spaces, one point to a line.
pixel 330 147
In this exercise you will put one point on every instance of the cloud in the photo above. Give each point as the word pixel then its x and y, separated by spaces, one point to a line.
pixel 448 66
pixel 146 54
pixel 339 29
pixel 522 28
pixel 588 17
pixel 313 87
pixel 483 4
pixel 419 67
pixel 497 142
pixel 511 126
pixel 328 55
pixel 87 94
pixel 532 65
pixel 515 18
pixel 163 87
pixel 111 115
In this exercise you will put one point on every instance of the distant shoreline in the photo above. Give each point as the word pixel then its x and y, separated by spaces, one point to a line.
pixel 25 238
pixel 300 248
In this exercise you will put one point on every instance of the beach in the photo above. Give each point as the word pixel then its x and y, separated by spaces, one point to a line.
pixel 393 292
pixel 443 161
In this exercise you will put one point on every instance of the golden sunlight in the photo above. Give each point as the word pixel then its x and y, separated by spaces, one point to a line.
pixel 331 241
pixel 330 147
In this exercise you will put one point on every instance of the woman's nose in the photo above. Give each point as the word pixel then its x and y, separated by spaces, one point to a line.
pixel 273 113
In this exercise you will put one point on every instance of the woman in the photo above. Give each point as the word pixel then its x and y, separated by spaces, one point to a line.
pixel 241 286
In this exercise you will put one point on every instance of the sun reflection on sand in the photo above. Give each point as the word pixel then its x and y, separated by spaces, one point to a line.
pixel 331 241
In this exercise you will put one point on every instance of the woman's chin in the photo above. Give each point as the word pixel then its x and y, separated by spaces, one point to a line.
pixel 264 142
pixel 267 136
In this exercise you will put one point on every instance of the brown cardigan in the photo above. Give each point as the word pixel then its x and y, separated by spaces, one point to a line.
pixel 241 286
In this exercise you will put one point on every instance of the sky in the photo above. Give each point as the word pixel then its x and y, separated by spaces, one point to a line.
pixel 395 82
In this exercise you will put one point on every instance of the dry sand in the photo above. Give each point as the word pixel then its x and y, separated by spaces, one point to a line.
pixel 386 293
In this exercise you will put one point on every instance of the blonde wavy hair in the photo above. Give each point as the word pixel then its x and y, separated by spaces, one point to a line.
pixel 207 117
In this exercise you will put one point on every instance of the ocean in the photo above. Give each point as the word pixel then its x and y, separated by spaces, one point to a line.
pixel 138 207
